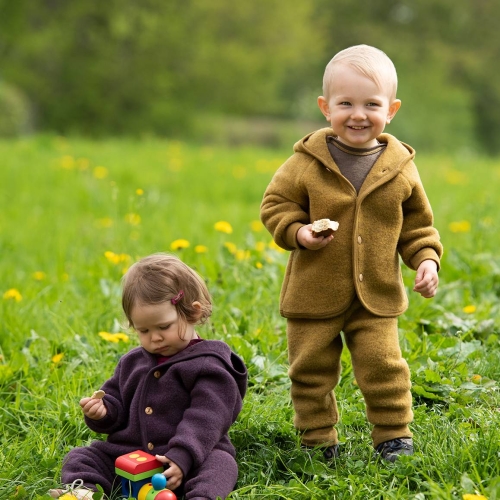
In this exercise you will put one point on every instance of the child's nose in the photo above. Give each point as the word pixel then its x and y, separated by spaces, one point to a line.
pixel 156 335
pixel 358 113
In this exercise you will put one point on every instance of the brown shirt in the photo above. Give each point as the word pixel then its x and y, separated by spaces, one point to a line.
pixel 354 163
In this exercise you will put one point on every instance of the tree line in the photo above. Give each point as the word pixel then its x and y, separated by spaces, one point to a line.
pixel 161 67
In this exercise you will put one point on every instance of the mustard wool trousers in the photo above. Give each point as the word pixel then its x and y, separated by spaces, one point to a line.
pixel 383 376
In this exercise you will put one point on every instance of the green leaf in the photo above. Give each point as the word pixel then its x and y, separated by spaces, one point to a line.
pixel 420 391
pixel 432 376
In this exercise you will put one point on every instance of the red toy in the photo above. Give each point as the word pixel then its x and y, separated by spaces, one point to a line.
pixel 136 470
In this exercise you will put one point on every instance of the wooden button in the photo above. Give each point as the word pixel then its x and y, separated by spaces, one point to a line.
pixel 359 240
pixel 360 277
pixel 157 374
pixel 149 410
pixel 150 446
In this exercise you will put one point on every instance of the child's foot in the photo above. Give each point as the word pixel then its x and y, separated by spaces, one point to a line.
pixel 329 452
pixel 391 450
pixel 78 494
pixel 75 491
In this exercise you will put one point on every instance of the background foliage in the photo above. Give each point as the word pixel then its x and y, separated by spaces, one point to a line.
pixel 244 71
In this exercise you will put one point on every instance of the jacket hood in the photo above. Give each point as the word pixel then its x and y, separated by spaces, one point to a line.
pixel 315 145
pixel 217 349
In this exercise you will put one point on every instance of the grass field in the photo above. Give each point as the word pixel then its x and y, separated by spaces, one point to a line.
pixel 75 213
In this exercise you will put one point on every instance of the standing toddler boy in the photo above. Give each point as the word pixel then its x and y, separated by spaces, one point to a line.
pixel 366 180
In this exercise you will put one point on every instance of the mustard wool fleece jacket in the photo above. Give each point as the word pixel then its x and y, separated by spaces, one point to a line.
pixel 390 216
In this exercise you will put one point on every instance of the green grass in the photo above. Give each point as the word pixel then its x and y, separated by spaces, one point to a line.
pixel 61 216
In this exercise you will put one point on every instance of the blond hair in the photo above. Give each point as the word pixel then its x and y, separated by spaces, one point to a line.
pixel 160 278
pixel 370 62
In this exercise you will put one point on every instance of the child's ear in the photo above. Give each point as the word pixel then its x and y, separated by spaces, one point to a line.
pixel 197 306
pixel 393 109
pixel 323 106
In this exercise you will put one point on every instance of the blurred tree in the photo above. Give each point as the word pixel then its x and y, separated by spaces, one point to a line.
pixel 122 66
pixel 158 66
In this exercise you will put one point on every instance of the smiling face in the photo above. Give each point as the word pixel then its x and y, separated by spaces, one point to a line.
pixel 160 329
pixel 356 107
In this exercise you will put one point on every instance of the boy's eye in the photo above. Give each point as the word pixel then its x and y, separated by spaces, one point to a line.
pixel 142 331
pixel 164 327
pixel 372 104
pixel 345 103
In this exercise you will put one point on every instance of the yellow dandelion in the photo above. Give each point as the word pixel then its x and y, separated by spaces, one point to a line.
pixel 139 192
pixel 100 172
pixel 476 378
pixel 133 219
pixel 256 226
pixel 201 249
pixel 116 258
pixel 469 309
pixel 456 177
pixel 13 294
pixel 259 265
pixel 179 244
pixel 470 496
pixel 114 337
pixel 57 358
pixel 462 226
pixel 68 496
pixel 223 227
pixel 260 246
pixel 175 164
pixel 111 256
pixel 67 162
pixel 39 275
pixel 104 222
pixel 242 254
pixel 230 246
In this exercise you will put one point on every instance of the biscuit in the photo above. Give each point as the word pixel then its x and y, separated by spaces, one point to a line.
pixel 324 227
pixel 98 394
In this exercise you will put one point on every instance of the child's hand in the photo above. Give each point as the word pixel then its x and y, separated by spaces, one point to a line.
pixel 426 281
pixel 173 473
pixel 93 408
pixel 306 239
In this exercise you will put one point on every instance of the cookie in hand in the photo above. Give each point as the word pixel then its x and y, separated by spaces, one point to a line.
pixel 324 227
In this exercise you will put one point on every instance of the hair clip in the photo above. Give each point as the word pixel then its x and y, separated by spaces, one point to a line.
pixel 177 298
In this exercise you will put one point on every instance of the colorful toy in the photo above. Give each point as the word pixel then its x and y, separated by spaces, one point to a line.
pixel 142 478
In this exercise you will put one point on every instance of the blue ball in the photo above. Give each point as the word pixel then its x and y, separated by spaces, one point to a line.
pixel 159 481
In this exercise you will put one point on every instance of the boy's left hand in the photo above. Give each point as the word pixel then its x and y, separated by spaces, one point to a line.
pixel 426 281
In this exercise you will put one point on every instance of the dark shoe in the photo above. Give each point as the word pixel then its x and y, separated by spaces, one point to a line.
pixel 391 450
pixel 331 452
pixel 328 452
